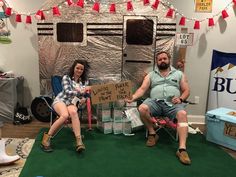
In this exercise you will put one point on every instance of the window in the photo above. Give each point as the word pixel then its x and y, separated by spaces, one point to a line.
pixel 139 31
pixel 70 32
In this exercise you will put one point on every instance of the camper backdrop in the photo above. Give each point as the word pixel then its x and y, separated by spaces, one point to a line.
pixel 118 46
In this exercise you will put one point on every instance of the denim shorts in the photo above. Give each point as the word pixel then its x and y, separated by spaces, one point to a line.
pixel 161 108
pixel 57 100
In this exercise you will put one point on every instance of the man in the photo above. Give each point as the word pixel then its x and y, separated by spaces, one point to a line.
pixel 169 88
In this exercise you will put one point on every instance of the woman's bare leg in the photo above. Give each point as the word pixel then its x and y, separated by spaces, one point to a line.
pixel 62 111
pixel 75 120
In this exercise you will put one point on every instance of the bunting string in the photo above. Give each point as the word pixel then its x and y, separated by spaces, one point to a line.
pixel 172 12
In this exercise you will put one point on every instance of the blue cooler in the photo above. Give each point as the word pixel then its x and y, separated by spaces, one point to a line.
pixel 221 127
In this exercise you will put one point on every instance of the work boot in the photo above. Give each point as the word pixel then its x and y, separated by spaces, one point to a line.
pixel 183 157
pixel 152 140
pixel 46 143
pixel 4 158
pixel 79 144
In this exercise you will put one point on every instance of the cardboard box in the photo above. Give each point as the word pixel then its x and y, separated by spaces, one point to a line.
pixel 105 93
pixel 221 127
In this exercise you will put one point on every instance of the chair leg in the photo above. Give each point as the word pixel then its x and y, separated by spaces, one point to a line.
pixel 172 132
pixel 176 136
pixel 51 119
pixel 57 131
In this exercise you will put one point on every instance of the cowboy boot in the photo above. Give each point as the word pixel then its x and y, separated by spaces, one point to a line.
pixel 46 143
pixel 79 144
pixel 4 158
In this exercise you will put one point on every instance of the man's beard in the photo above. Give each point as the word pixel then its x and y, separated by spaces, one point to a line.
pixel 163 66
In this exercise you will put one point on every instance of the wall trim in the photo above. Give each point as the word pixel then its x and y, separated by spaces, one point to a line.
pixel 196 119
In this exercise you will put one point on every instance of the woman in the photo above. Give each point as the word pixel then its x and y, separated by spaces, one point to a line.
pixel 74 84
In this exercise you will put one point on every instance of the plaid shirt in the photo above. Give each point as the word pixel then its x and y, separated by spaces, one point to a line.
pixel 69 90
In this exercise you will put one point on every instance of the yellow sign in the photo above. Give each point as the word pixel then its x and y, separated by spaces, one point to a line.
pixel 230 129
pixel 203 5
pixel 105 93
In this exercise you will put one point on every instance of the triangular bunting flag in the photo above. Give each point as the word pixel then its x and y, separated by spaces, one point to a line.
pixel 219 69
pixel 230 66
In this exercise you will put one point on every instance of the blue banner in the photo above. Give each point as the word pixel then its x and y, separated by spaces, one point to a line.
pixel 220 59
pixel 222 88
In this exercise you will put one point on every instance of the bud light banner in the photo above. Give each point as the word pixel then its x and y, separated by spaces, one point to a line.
pixel 222 89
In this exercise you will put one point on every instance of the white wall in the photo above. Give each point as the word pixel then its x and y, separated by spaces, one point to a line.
pixel 198 59
pixel 21 55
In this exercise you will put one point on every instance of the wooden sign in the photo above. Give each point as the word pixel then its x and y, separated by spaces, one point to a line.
pixel 203 6
pixel 105 93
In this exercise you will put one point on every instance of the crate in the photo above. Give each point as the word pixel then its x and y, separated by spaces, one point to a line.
pixel 104 115
pixel 126 126
pixel 117 127
pixel 117 114
pixel 105 106
pixel 105 127
pixel 221 127
pixel 119 104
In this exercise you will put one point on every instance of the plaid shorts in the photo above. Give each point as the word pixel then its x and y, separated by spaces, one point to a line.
pixel 162 108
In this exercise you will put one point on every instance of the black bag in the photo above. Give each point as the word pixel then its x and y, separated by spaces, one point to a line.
pixel 21 116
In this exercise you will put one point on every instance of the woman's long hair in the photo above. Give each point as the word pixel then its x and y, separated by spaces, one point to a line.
pixel 84 75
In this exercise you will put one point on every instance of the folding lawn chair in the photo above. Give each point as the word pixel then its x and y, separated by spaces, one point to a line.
pixel 167 124
pixel 170 126
pixel 57 88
